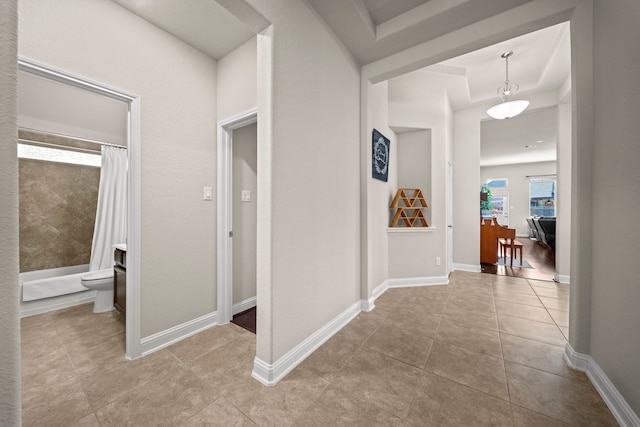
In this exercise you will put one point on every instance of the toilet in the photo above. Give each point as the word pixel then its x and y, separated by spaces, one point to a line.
pixel 101 281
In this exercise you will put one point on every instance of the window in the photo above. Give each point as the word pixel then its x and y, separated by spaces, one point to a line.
pixel 497 183
pixel 55 155
pixel 542 196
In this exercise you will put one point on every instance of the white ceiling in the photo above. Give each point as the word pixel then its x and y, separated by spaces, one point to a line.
pixel 373 29
pixel 203 24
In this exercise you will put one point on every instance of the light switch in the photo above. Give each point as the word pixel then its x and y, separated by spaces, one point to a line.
pixel 246 195
pixel 208 195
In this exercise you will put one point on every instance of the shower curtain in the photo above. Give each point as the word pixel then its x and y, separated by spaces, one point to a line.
pixel 111 212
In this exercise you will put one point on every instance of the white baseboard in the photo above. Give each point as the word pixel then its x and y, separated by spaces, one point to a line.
pixel 367 305
pixel 270 374
pixel 370 304
pixel 561 278
pixel 418 281
pixel 611 396
pixel 244 305
pixel 177 333
pixel 467 267
pixel 31 308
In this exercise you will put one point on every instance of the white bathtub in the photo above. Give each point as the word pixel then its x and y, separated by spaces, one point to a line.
pixel 46 290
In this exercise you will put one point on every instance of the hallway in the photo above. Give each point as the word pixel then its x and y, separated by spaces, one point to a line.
pixel 484 350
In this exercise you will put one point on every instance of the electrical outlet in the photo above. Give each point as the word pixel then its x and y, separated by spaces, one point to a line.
pixel 438 260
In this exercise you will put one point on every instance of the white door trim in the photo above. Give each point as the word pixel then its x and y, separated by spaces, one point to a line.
pixel 133 346
pixel 225 212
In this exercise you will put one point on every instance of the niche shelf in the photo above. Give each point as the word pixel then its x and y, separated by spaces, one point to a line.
pixel 409 203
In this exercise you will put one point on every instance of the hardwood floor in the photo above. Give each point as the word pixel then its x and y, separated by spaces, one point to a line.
pixel 246 319
pixel 541 258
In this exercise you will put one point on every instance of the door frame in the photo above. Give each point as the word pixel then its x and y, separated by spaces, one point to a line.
pixel 133 330
pixel 225 211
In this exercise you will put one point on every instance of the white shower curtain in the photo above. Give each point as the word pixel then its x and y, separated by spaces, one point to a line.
pixel 111 213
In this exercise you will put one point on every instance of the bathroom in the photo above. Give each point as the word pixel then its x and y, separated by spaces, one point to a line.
pixel 72 194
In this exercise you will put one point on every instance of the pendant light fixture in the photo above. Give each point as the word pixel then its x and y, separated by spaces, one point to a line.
pixel 507 109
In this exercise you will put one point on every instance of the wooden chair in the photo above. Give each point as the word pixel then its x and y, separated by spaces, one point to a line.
pixel 513 245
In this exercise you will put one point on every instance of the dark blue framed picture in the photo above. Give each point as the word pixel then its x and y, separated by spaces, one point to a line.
pixel 380 156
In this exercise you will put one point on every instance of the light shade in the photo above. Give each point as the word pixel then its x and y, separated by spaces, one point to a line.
pixel 506 110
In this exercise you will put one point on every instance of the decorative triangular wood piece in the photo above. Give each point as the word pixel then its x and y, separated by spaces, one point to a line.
pixel 411 213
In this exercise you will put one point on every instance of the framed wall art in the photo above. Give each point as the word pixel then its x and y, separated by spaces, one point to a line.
pixel 380 156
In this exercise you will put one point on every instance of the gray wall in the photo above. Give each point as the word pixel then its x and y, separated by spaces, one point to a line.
pixel 615 317
pixel 245 158
pixel 414 164
pixel 10 414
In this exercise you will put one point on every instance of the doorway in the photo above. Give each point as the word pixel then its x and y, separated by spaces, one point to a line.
pixel 244 223
pixel 500 207
pixel 132 327
pixel 237 219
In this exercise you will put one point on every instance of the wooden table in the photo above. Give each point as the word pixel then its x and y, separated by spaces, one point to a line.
pixel 514 245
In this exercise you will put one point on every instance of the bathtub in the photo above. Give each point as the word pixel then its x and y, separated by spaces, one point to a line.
pixel 46 290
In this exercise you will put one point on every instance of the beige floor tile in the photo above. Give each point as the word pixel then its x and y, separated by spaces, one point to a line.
pixel 393 296
pixel 56 404
pixel 170 399
pixel 407 347
pixel 561 318
pixel 335 407
pixel 479 371
pixel 565 332
pixel 515 281
pixel 507 288
pixel 535 354
pixel 435 291
pixel 523 299
pixel 281 404
pixel 561 293
pixel 469 337
pixel 426 305
pixel 47 360
pixel 545 284
pixel 469 304
pixel 44 376
pixel 360 328
pixel 37 339
pixel 523 417
pixel 459 277
pixel 522 311
pixel 35 323
pixel 88 421
pixel 487 320
pixel 195 346
pixel 220 413
pixel 227 363
pixel 531 329
pixel 418 322
pixel 570 400
pixel 442 402
pixel 561 304
pixel 90 355
pixel 382 380
pixel 327 360
pixel 103 386
pixel 206 379
pixel 483 294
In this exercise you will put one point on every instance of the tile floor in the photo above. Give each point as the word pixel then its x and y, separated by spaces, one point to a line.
pixel 484 350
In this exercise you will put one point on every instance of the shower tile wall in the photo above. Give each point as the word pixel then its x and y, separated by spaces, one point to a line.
pixel 57 213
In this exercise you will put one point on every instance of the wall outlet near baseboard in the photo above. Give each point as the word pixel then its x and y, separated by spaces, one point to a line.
pixel 438 261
